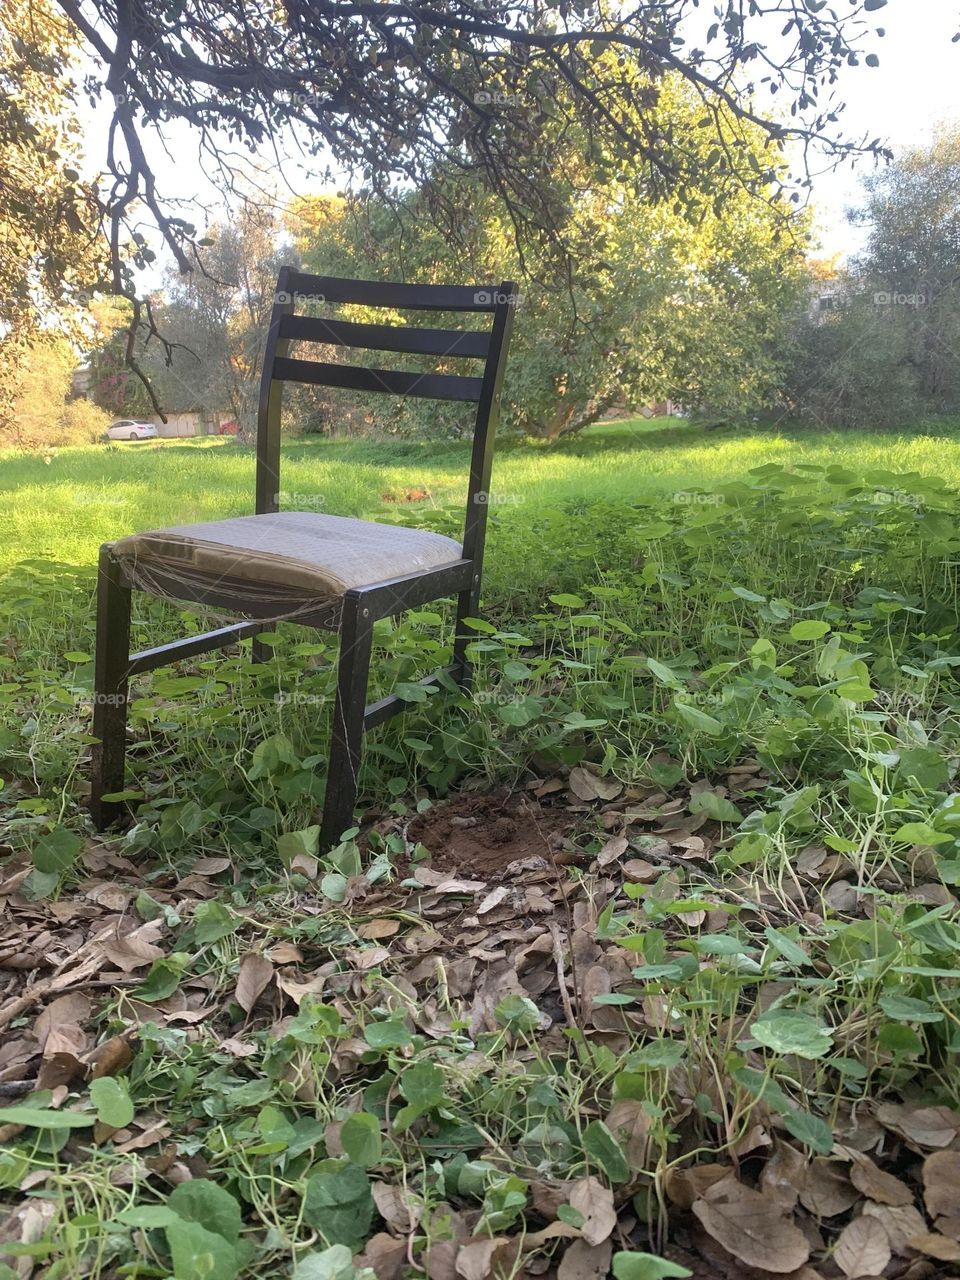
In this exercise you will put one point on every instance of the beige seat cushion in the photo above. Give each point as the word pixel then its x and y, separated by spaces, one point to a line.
pixel 321 556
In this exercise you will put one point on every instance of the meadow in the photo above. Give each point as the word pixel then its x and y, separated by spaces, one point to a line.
pixel 718 669
pixel 63 505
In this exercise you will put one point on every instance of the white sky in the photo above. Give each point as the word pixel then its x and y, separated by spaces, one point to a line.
pixel 915 87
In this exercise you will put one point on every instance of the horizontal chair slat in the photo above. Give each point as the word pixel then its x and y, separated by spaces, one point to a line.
pixel 377 712
pixel 384 293
pixel 432 386
pixel 386 337
pixel 190 646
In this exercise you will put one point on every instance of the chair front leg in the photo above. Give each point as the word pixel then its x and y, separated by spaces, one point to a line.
pixel 110 690
pixel 356 642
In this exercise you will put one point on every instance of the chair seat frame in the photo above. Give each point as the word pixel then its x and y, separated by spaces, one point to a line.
pixel 353 614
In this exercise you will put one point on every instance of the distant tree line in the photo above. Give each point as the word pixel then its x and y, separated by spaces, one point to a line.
pixel 723 313
pixel 653 301
pixel 579 135
pixel 878 343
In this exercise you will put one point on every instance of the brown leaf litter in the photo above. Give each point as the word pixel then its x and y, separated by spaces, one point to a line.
pixel 494 913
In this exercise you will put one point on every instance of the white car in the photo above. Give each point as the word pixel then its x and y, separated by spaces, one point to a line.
pixel 127 429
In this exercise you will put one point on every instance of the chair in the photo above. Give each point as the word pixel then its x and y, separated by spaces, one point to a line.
pixel 316 570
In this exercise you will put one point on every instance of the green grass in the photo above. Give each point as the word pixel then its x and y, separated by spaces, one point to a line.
pixel 65 508
pixel 753 635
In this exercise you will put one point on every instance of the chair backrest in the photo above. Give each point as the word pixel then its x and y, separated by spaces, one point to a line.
pixel 296 289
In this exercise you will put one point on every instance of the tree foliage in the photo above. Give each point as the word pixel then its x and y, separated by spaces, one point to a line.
pixel 50 254
pixel 654 304
pixel 45 412
pixel 888 350
pixel 214 322
pixel 394 91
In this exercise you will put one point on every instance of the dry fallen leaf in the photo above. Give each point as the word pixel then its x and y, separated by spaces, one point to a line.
pixel 751 1227
pixel 941 1183
pixel 873 1181
pixel 555 1231
pixel 493 899
pixel 27 1225
pixel 582 1261
pixel 475 1261
pixel 110 1058
pixel 59 1069
pixel 936 1246
pixel 297 991
pixel 285 953
pixel 238 1048
pixel 113 897
pixel 368 957
pixel 380 927
pixel 595 1202
pixel 921 1126
pixel 862 1248
pixel 307 866
pixel 386 1255
pixel 254 977
pixel 613 849
pixel 548 787
pixel 440 1259
pixel 825 1188
pixel 782 1175
pixel 399 1209
pixel 134 950
pixel 156 1133
pixel 66 1037
pixel 754 1138
pixel 595 982
pixel 639 871
pixel 590 786
pixel 69 1008
pixel 630 1124
pixel 210 866
pixel 901 1222
pixel 842 896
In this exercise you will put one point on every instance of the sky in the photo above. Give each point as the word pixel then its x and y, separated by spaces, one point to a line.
pixel 915 87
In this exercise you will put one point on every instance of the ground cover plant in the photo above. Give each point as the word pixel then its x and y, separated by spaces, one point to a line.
pixel 645 956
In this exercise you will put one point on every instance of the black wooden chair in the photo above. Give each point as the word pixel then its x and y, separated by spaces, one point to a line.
pixel 316 570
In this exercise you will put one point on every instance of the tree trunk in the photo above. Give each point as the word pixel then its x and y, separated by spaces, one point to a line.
pixel 570 417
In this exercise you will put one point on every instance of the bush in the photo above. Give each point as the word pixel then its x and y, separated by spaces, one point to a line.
pixel 82 422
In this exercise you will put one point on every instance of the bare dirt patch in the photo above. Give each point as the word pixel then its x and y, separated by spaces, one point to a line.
pixel 484 833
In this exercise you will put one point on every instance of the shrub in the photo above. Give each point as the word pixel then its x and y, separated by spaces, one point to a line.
pixel 82 422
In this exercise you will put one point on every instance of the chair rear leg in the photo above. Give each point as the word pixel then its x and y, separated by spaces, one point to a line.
pixel 259 652
pixel 468 606
pixel 356 642
pixel 110 690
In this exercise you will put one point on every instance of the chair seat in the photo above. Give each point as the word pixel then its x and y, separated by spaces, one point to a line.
pixel 289 553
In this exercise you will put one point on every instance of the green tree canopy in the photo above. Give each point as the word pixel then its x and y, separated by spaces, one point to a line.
pixel 888 348
pixel 654 302
pixel 214 322
pixel 395 91
pixel 50 253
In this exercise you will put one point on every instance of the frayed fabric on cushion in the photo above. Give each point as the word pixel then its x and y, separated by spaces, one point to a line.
pixel 320 556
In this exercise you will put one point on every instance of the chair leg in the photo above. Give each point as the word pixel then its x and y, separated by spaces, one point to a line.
pixel 110 690
pixel 468 606
pixel 356 642
pixel 259 652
